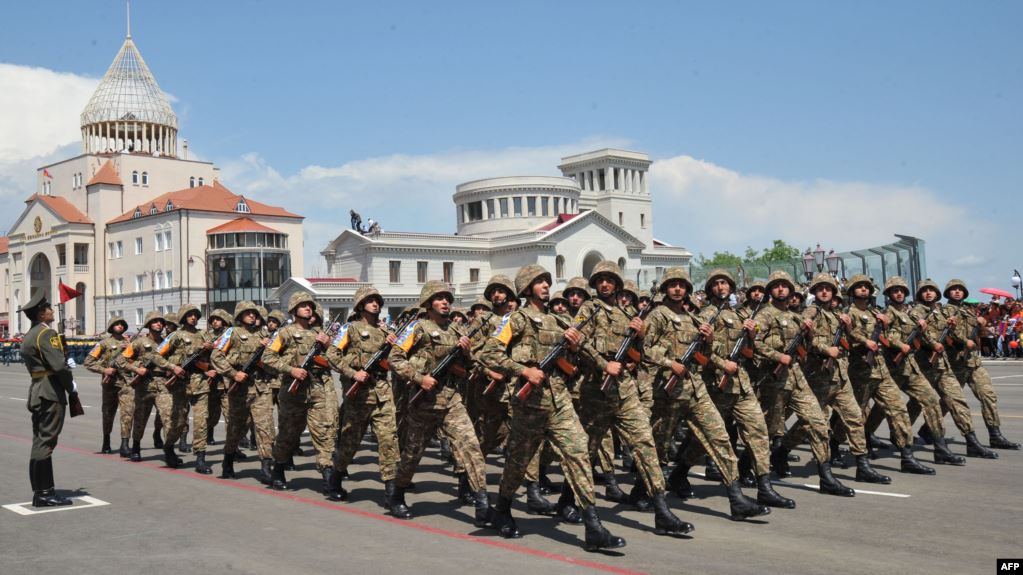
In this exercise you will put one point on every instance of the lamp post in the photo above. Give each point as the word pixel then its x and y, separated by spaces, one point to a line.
pixel 808 263
pixel 1017 282
pixel 818 257
pixel 205 281
pixel 832 261
pixel 261 298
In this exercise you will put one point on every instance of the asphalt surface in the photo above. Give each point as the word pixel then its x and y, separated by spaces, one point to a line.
pixel 160 521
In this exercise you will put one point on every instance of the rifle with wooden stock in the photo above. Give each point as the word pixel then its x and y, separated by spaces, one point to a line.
pixel 317 349
pixel 741 347
pixel 693 353
pixel 254 362
pixel 190 362
pixel 445 363
pixel 878 337
pixel 551 360
pixel 912 340
pixel 146 366
pixel 944 340
pixel 627 348
pixel 379 359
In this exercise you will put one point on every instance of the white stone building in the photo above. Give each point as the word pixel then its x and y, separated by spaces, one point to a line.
pixel 136 226
pixel 600 209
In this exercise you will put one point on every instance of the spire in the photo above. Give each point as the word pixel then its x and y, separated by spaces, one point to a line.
pixel 129 19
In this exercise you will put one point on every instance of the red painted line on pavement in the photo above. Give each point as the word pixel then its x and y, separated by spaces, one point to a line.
pixel 262 490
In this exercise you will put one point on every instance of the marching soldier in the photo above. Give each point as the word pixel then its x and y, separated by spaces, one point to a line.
pixel 52 384
pixel 515 349
pixel 966 364
pixel 933 359
pixel 869 373
pixel 416 353
pixel 170 325
pixel 777 328
pixel 372 402
pixel 101 360
pixel 141 358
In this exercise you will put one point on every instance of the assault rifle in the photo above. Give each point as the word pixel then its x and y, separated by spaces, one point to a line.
pixel 445 363
pixel 912 339
pixel 878 337
pixel 793 349
pixel 317 349
pixel 190 362
pixel 551 360
pixel 146 366
pixel 379 359
pixel 627 348
pixel 740 348
pixel 943 339
pixel 693 353
pixel 254 362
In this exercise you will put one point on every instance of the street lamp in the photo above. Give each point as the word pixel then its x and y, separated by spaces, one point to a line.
pixel 818 257
pixel 205 281
pixel 1017 282
pixel 832 260
pixel 808 263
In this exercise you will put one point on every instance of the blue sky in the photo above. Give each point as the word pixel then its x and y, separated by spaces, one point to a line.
pixel 840 110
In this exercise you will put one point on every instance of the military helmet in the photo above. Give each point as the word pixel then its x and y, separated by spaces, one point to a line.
pixel 529 274
pixel 820 279
pixel 319 314
pixel 244 306
pixel 499 280
pixel 780 276
pixel 609 268
pixel 716 274
pixel 481 302
pixel 895 282
pixel 756 283
pixel 578 283
pixel 364 293
pixel 298 298
pixel 459 311
pixel 922 284
pixel 186 309
pixel 675 273
pixel 432 289
pixel 222 314
pixel 658 298
pixel 857 280
pixel 262 312
pixel 114 321
pixel 631 287
pixel 170 318
pixel 558 296
pixel 278 316
pixel 956 283
pixel 800 295
pixel 151 317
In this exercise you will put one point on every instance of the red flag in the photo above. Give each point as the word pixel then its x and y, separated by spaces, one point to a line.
pixel 47 173
pixel 66 293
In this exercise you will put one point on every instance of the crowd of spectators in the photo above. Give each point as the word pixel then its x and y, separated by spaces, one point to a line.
pixel 1000 338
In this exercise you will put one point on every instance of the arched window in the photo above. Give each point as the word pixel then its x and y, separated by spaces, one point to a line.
pixel 135 177
pixel 559 267
pixel 621 265
pixel 153 210
pixel 200 182
pixel 145 178
pixel 191 182
pixel 137 214
pixel 169 206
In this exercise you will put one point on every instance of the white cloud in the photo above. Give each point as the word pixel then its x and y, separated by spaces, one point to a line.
pixel 39 110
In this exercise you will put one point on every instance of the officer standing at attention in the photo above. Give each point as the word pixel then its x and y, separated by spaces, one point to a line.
pixel 43 355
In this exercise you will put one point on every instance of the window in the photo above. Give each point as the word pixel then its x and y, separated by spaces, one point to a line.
pixel 117 286
pixel 531 206
pixel 140 282
pixel 621 265
pixel 158 242
pixel 559 267
pixel 167 240
pixel 138 245
pixel 642 220
pixel 421 271
pixel 169 206
pixel 557 206
pixel 475 210
pixel 137 214
pixel 134 178
pixel 152 210
pixel 543 206
pixel 81 254
pixel 517 204
pixel 395 271
pixel 145 178
pixel 621 219
pixel 200 181
pixel 504 207
pixel 490 210
pixel 169 279
pixel 449 271
pixel 139 315
pixel 241 207
pixel 474 274
pixel 114 250
pixel 61 254
pixel 191 182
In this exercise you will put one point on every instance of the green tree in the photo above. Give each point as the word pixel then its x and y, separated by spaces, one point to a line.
pixel 720 260
pixel 779 251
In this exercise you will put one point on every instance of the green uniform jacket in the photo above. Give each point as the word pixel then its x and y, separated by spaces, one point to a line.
pixel 418 352
pixel 43 355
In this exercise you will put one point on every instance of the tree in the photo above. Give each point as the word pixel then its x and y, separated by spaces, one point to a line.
pixel 720 260
pixel 779 251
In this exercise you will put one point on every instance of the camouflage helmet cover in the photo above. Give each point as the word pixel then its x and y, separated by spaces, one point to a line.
pixel 432 289
pixel 298 298
pixel 856 280
pixel 822 279
pixel 606 267
pixel 956 283
pixel 716 274
pixel 498 281
pixel 529 274
pixel 364 293
pixel 895 282
pixel 675 273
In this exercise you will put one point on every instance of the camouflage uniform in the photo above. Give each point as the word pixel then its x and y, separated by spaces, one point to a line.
pixel 278 316
pixel 99 359
pixel 201 387
pixel 143 351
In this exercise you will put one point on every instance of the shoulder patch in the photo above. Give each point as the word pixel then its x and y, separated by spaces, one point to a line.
pixel 96 351
pixel 405 339
pixel 503 332
pixel 340 340
pixel 223 343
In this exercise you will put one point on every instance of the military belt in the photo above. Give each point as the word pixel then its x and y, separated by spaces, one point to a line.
pixel 38 374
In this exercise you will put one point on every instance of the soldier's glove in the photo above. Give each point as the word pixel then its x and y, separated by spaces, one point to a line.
pixel 74 386
pixel 71 363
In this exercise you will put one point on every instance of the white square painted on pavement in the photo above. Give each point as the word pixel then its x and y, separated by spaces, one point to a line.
pixel 83 502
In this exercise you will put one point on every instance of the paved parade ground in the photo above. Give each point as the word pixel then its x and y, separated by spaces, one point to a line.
pixel 145 518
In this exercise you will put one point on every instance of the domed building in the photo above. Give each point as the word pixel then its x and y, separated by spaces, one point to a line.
pixel 134 224
pixel 598 209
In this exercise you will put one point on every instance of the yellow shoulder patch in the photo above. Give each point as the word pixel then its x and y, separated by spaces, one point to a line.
pixel 504 332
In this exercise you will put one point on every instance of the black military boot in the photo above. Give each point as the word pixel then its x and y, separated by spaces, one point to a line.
pixel 837 457
pixel 503 520
pixel 780 461
pixel 639 497
pixel 546 485
pixel 875 442
pixel 866 474
pixel 266 471
pixel 830 484
pixel 628 461
pixel 465 495
pixel 240 455
pixel 612 492
pixel 535 502
pixel 943 455
pixel 183 445
pixel 227 468
pixel 170 458
pixel 278 482
pixel 712 472
pixel 44 495
pixel 665 522
pixel 106 445
pixel 597 537
pixel 566 508
pixel 910 464
pixel 746 476
pixel 445 450
pixel 200 463
pixel 998 441
pixel 124 451
pixel 743 507
pixel 290 464
pixel 926 437
pixel 388 491
pixel 332 489
pixel 252 437
pixel 157 438
pixel 136 451
pixel 769 497
pixel 975 449
pixel 484 514
pixel 399 508
pixel 678 483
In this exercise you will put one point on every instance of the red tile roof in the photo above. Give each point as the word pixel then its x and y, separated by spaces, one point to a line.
pixel 562 218
pixel 241 225
pixel 4 244
pixel 212 198
pixel 63 208
pixel 106 175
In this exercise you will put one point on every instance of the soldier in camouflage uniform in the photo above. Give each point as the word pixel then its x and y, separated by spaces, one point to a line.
pixel 249 393
pixel 474 392
pixel 421 346
pixel 869 373
pixel 315 402
pixel 170 325
pixel 142 358
pixel 933 360
pixel 200 387
pixel 776 329
pixel 101 360
pixel 906 373
pixel 368 398
pixel 679 389
pixel 274 321
pixel 966 364
pixel 827 371
pixel 515 349
pixel 731 389
pixel 495 406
